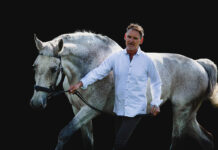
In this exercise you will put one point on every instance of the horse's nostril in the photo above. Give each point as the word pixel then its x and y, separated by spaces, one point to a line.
pixel 32 103
pixel 44 103
pixel 37 103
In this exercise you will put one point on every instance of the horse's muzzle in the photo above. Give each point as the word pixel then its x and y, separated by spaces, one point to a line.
pixel 39 102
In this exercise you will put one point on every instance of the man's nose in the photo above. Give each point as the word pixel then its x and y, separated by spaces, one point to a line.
pixel 130 40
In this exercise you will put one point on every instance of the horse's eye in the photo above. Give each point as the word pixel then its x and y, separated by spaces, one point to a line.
pixel 54 69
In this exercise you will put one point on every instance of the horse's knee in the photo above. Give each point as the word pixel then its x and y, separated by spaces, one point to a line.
pixel 65 134
pixel 186 142
pixel 197 137
pixel 87 136
pixel 203 137
pixel 191 135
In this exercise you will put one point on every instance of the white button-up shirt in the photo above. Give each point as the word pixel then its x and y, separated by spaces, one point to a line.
pixel 130 81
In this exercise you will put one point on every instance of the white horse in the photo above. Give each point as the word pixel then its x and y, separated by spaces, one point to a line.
pixel 186 83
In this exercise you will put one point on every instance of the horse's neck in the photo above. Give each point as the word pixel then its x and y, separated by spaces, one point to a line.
pixel 70 70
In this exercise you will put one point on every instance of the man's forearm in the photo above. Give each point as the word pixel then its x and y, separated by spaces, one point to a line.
pixel 75 87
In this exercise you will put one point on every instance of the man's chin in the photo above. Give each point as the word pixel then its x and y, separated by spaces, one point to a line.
pixel 131 49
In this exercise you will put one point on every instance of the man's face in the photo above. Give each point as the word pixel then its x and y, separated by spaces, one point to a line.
pixel 132 39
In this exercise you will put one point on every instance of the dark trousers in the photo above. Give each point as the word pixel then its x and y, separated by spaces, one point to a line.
pixel 124 127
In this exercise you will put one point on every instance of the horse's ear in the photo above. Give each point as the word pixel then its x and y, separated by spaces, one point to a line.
pixel 60 45
pixel 39 44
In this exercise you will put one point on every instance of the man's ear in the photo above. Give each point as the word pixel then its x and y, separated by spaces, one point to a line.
pixel 142 39
pixel 125 36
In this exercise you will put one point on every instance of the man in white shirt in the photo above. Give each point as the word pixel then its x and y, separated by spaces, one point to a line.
pixel 131 68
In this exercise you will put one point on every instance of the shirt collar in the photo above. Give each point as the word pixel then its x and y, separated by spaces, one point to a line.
pixel 138 51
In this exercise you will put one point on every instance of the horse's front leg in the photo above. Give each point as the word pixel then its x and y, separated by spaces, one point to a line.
pixel 87 136
pixel 87 133
pixel 82 117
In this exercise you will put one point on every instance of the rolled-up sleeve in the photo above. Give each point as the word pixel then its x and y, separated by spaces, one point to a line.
pixel 98 73
pixel 155 84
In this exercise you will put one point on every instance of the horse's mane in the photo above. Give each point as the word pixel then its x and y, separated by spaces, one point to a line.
pixel 87 39
pixel 82 37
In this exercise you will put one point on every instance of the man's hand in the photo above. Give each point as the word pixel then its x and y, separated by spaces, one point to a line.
pixel 75 87
pixel 155 110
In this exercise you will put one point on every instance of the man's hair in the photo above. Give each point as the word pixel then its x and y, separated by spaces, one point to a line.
pixel 136 27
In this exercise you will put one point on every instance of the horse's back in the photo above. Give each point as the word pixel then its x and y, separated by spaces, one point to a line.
pixel 182 77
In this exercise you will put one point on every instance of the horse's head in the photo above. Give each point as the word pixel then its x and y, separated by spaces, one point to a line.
pixel 47 68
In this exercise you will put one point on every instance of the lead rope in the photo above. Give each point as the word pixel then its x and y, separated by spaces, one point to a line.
pixel 82 98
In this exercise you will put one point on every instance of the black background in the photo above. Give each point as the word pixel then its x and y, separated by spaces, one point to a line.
pixel 188 29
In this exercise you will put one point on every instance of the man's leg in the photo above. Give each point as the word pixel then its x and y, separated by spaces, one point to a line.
pixel 124 127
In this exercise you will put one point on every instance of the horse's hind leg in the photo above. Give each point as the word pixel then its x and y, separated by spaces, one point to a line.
pixel 186 129
pixel 193 137
pixel 82 117
pixel 180 117
pixel 201 135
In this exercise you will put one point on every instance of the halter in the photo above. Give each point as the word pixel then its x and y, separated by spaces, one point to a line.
pixel 53 90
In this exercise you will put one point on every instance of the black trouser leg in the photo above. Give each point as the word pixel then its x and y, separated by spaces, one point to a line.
pixel 124 127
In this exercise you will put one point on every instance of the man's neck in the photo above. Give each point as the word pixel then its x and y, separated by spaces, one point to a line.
pixel 131 53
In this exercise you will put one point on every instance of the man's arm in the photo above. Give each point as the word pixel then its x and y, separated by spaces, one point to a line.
pixel 96 74
pixel 155 89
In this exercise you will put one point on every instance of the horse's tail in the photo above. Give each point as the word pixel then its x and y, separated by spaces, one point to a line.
pixel 211 70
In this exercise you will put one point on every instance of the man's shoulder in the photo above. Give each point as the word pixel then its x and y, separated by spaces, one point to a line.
pixel 144 54
pixel 117 53
pixel 147 58
pixel 113 56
